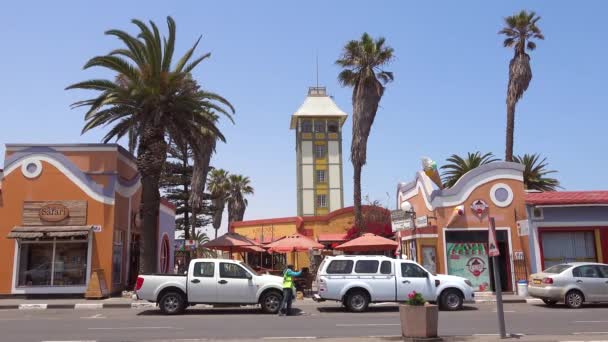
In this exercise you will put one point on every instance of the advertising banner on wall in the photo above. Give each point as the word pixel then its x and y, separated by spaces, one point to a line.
pixel 469 260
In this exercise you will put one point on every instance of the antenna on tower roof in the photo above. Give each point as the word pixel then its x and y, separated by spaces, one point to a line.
pixel 317 69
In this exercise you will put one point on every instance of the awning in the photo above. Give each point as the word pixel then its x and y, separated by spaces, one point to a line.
pixel 37 232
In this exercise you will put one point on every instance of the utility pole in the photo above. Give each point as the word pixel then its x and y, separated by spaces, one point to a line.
pixel 494 253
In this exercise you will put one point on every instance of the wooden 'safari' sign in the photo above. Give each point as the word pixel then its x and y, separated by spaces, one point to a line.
pixel 55 213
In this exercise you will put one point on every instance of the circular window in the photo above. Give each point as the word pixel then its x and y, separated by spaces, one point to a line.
pixel 31 168
pixel 501 195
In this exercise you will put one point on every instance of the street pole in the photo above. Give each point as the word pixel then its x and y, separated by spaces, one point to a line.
pixel 497 284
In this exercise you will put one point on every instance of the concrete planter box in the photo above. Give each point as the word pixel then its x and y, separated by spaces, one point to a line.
pixel 419 320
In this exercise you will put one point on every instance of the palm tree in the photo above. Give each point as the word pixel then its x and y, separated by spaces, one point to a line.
pixel 519 29
pixel 457 166
pixel 201 238
pixel 535 173
pixel 237 203
pixel 362 62
pixel 219 188
pixel 151 99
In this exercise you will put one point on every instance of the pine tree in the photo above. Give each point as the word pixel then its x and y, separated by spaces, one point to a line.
pixel 175 186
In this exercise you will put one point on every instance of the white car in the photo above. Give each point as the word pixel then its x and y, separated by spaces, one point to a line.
pixel 211 281
pixel 357 281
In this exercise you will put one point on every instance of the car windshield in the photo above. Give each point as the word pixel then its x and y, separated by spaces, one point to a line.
pixel 248 268
pixel 558 268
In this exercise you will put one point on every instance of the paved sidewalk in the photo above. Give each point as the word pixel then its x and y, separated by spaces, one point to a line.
pixel 475 338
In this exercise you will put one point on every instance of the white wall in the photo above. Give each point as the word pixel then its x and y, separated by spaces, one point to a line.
pixel 334 176
pixel 333 150
pixel 307 152
pixel 308 202
pixel 335 200
pixel 307 176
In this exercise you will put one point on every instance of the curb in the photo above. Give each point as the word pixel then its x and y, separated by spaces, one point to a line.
pixel 79 306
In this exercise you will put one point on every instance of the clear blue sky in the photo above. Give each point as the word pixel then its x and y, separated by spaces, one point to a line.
pixel 448 96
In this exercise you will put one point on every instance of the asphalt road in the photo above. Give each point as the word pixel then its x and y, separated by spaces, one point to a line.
pixel 312 321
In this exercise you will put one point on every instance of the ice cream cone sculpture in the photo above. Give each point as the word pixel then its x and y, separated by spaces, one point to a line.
pixel 458 211
pixel 430 169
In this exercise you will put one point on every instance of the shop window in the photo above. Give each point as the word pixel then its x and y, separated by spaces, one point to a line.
pixel 386 267
pixel 306 126
pixel 204 269
pixel 232 271
pixel 60 263
pixel 319 126
pixel 117 257
pixel 409 270
pixel 367 266
pixel 340 267
pixel 332 126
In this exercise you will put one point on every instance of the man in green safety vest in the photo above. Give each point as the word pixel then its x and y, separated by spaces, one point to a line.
pixel 288 287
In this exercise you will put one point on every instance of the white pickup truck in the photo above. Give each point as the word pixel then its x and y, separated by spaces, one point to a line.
pixel 357 281
pixel 211 281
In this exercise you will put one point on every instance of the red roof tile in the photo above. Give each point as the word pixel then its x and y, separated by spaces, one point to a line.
pixel 567 197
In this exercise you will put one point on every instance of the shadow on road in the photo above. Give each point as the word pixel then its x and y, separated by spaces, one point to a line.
pixel 395 308
pixel 564 306
pixel 220 311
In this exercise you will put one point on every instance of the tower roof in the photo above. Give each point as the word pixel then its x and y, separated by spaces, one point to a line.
pixel 318 104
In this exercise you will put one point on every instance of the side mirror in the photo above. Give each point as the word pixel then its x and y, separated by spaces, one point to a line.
pixel 248 276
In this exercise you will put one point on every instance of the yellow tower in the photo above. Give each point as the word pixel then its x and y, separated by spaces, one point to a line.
pixel 318 124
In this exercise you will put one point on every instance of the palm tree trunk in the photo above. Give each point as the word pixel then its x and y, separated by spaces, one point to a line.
pixel 217 215
pixel 510 131
pixel 151 157
pixel 357 197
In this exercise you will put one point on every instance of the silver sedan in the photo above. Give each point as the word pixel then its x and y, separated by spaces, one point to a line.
pixel 572 283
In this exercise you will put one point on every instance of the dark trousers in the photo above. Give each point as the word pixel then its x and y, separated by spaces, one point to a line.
pixel 286 303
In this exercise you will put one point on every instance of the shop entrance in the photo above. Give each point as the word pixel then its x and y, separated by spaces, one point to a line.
pixel 467 256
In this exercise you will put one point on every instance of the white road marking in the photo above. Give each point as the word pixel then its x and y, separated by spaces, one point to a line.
pixel 590 333
pixel 291 338
pixel 32 306
pixel 129 328
pixel 93 317
pixel 368 325
pixel 72 341
pixel 510 311
pixel 88 306
pixel 590 321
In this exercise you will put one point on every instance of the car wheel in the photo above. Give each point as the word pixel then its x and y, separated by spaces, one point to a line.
pixel 549 302
pixel 357 301
pixel 451 300
pixel 271 302
pixel 574 299
pixel 172 303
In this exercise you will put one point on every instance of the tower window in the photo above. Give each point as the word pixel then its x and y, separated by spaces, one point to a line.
pixel 332 126
pixel 320 126
pixel 319 151
pixel 322 201
pixel 321 176
pixel 306 126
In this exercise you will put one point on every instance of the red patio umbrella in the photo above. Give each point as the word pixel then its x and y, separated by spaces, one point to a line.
pixel 368 242
pixel 293 243
pixel 233 243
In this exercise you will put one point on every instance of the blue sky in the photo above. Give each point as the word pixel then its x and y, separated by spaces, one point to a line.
pixel 448 96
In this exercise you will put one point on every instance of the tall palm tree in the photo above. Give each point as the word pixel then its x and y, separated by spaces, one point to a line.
pixel 150 99
pixel 219 188
pixel 240 186
pixel 362 61
pixel 535 173
pixel 457 166
pixel 519 29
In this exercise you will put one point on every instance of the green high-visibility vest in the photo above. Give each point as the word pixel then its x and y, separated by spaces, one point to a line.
pixel 287 280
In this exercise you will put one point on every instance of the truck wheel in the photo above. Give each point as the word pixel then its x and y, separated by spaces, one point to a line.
pixel 271 302
pixel 574 299
pixel 357 301
pixel 172 303
pixel 451 300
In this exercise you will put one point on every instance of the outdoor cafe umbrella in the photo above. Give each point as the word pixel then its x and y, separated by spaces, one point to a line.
pixel 233 243
pixel 293 243
pixel 368 242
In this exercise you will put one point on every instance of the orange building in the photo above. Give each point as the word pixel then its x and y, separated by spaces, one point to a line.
pixel 450 231
pixel 69 214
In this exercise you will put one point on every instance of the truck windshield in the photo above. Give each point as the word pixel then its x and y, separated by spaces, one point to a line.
pixel 248 268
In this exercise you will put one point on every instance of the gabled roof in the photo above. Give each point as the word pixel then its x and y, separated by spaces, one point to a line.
pixel 567 198
pixel 318 104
